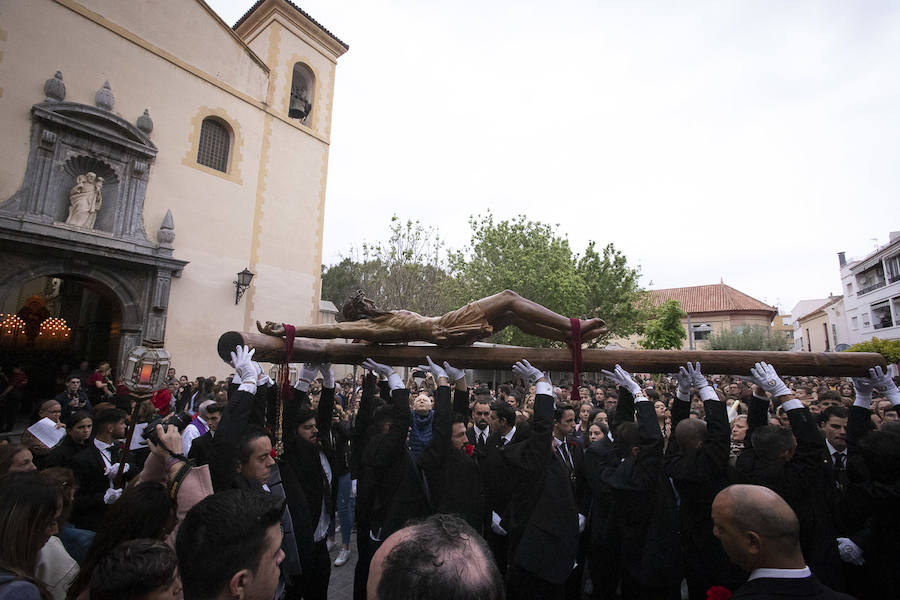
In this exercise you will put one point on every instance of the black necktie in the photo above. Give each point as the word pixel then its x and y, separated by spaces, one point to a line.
pixel 502 442
pixel 113 452
pixel 481 439
pixel 838 460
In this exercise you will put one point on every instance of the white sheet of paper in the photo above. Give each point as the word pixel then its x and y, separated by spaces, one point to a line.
pixel 47 432
pixel 137 440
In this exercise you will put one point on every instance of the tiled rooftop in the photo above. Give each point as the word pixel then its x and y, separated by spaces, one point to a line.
pixel 710 298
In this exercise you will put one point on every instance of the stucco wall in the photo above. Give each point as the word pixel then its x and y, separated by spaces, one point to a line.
pixel 265 213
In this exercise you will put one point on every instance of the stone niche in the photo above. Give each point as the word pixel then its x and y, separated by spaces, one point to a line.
pixel 90 157
pixel 70 140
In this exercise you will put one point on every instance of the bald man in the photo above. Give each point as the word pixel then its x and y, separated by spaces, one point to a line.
pixel 761 534
pixel 440 558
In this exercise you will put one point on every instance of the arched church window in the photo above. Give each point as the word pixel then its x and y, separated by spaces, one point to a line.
pixel 215 142
pixel 302 88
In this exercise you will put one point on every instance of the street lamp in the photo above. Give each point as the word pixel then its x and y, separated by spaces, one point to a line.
pixel 242 283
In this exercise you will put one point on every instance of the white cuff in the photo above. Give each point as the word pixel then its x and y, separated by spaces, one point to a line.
pixel 247 387
pixel 863 401
pixel 640 398
pixel 302 385
pixel 543 387
pixel 683 396
pixel 792 404
pixel 395 382
pixel 707 393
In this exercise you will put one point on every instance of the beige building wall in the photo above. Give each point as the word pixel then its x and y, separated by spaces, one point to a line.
pixel 812 328
pixel 178 60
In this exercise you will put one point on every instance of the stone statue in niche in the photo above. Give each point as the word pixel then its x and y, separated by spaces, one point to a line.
pixel 85 199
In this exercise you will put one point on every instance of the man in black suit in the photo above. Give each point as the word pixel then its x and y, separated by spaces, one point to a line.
pixel 73 397
pixel 543 523
pixel 391 490
pixel 497 479
pixel 309 458
pixel 480 431
pixel 454 480
pixel 697 461
pixel 789 462
pixel 642 524
pixel 761 534
pixel 96 467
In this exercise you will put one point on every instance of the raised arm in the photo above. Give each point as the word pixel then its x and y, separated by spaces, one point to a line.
pixel 394 444
pixel 438 449
pixel 234 418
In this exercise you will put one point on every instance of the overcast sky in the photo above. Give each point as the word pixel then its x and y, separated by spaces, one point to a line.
pixel 744 141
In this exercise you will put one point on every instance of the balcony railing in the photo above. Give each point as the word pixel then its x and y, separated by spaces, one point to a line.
pixel 894 279
pixel 871 288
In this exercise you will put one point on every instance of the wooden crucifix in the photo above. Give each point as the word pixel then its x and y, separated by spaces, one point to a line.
pixel 389 334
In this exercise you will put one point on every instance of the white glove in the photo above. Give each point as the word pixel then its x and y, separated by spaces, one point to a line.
pixel 394 380
pixel 353 487
pixel 242 361
pixel 530 374
pixel 308 372
pixel 767 379
pixel 684 383
pixel 863 387
pixel 113 469
pixel 697 378
pixel 495 524
pixel 621 377
pixel 850 552
pixel 261 377
pixel 454 374
pixel 582 521
pixel 379 368
pixel 111 495
pixel 327 375
pixel 884 383
pixel 434 369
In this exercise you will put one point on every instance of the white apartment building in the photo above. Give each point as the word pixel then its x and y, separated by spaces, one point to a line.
pixel 871 289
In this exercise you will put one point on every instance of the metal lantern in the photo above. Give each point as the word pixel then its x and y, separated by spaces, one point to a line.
pixel 242 283
pixel 146 367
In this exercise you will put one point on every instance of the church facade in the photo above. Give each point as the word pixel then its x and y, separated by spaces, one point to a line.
pixel 151 153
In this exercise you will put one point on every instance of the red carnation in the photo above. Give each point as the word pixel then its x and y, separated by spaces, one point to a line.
pixel 469 449
pixel 717 592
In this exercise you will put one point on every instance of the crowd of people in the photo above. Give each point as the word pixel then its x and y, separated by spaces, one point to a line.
pixel 641 486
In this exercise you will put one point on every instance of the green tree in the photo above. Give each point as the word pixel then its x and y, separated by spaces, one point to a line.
pixel 533 259
pixel 752 337
pixel 408 271
pixel 889 349
pixel 613 293
pixel 665 332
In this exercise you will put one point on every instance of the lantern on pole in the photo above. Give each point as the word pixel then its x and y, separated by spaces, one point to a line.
pixel 146 367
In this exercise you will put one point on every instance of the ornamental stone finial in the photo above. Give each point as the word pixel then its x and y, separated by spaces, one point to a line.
pixel 166 233
pixel 104 98
pixel 144 122
pixel 55 89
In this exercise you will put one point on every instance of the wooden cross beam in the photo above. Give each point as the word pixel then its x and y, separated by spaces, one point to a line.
pixel 725 362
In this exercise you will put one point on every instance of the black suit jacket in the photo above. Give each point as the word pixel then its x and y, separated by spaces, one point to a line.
pixel 390 490
pixel 473 437
pixel 699 474
pixel 454 478
pixel 800 482
pixel 303 457
pixel 643 519
pixel 765 588
pixel 543 523
pixel 201 449
pixel 89 509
